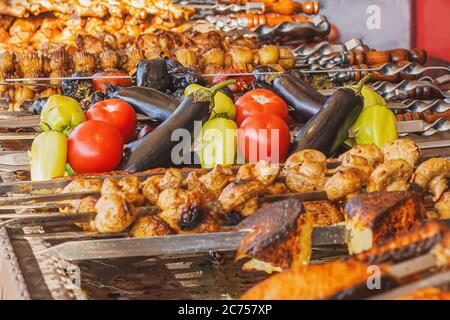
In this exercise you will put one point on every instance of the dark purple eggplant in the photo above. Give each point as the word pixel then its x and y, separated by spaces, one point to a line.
pixel 299 95
pixel 37 105
pixel 328 129
pixel 148 101
pixel 152 73
pixel 156 148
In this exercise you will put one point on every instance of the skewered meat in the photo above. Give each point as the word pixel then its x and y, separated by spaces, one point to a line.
pixel 113 214
pixel 280 237
pixel 324 213
pixel 441 251
pixel 432 175
pixel 429 293
pixel 238 193
pixel 404 149
pixel 333 280
pixel 214 57
pixel 305 171
pixel 215 180
pixel 443 205
pixel 127 188
pixel 89 43
pixel 392 175
pixel 152 186
pixel 262 170
pixel 83 61
pixel 376 217
pixel 370 152
pixel 240 57
pixel 30 62
pixel 6 61
pixel 183 211
pixel 150 226
pixel 109 60
pixel 346 182
pixel 416 242
pixel 187 57
pixel 171 179
pixel 268 55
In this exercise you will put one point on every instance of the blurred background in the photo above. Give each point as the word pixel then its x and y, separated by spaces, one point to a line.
pixel 388 24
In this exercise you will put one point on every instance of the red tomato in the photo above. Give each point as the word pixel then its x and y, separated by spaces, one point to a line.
pixel 102 84
pixel 260 101
pixel 117 113
pixel 264 137
pixel 94 146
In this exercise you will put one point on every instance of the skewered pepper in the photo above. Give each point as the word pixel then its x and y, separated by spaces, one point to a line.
pixel 223 105
pixel 376 124
pixel 48 156
pixel 217 143
pixel 61 113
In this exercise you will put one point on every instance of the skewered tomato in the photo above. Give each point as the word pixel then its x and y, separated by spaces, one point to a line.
pixel 264 137
pixel 95 146
pixel 102 83
pixel 116 112
pixel 260 101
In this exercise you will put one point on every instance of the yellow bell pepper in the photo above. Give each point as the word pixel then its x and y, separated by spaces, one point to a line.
pixel 48 156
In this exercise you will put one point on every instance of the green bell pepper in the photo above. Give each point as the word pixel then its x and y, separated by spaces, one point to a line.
pixel 217 142
pixel 62 114
pixel 48 156
pixel 223 104
pixel 375 125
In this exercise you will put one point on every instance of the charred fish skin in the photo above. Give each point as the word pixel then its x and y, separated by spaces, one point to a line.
pixel 375 217
pixel 418 241
pixel 273 238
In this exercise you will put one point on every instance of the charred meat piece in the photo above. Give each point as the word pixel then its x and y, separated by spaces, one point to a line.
pixel 324 213
pixel 280 237
pixel 333 280
pixel 152 187
pixel 432 175
pixel 113 214
pixel 406 245
pixel 237 193
pixel 392 175
pixel 404 149
pixel 376 217
pixel 215 180
pixel 150 226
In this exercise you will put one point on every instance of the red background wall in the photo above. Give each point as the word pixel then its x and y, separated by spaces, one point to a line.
pixel 433 27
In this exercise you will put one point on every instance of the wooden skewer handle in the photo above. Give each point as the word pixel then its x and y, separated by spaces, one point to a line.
pixel 358 57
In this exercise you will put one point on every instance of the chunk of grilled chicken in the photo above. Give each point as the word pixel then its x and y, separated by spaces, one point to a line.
pixel 429 293
pixel 345 183
pixel 152 186
pixel 82 205
pixel 375 217
pixel 263 171
pixel 336 279
pixel 370 152
pixel 324 213
pixel 238 193
pixel 113 214
pixel 392 175
pixel 150 226
pixel 432 175
pixel 309 155
pixel 215 180
pixel 418 241
pixel 127 187
pixel 404 149
pixel 443 205
pixel 280 237
pixel 183 210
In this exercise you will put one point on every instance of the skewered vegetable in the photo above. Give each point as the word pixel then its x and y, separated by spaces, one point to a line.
pixel 157 148
pixel 153 73
pixel 48 156
pixel 61 114
pixel 148 101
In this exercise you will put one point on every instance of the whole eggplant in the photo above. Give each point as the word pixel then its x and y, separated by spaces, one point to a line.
pixel 152 73
pixel 155 149
pixel 148 101
pixel 299 95
pixel 328 129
